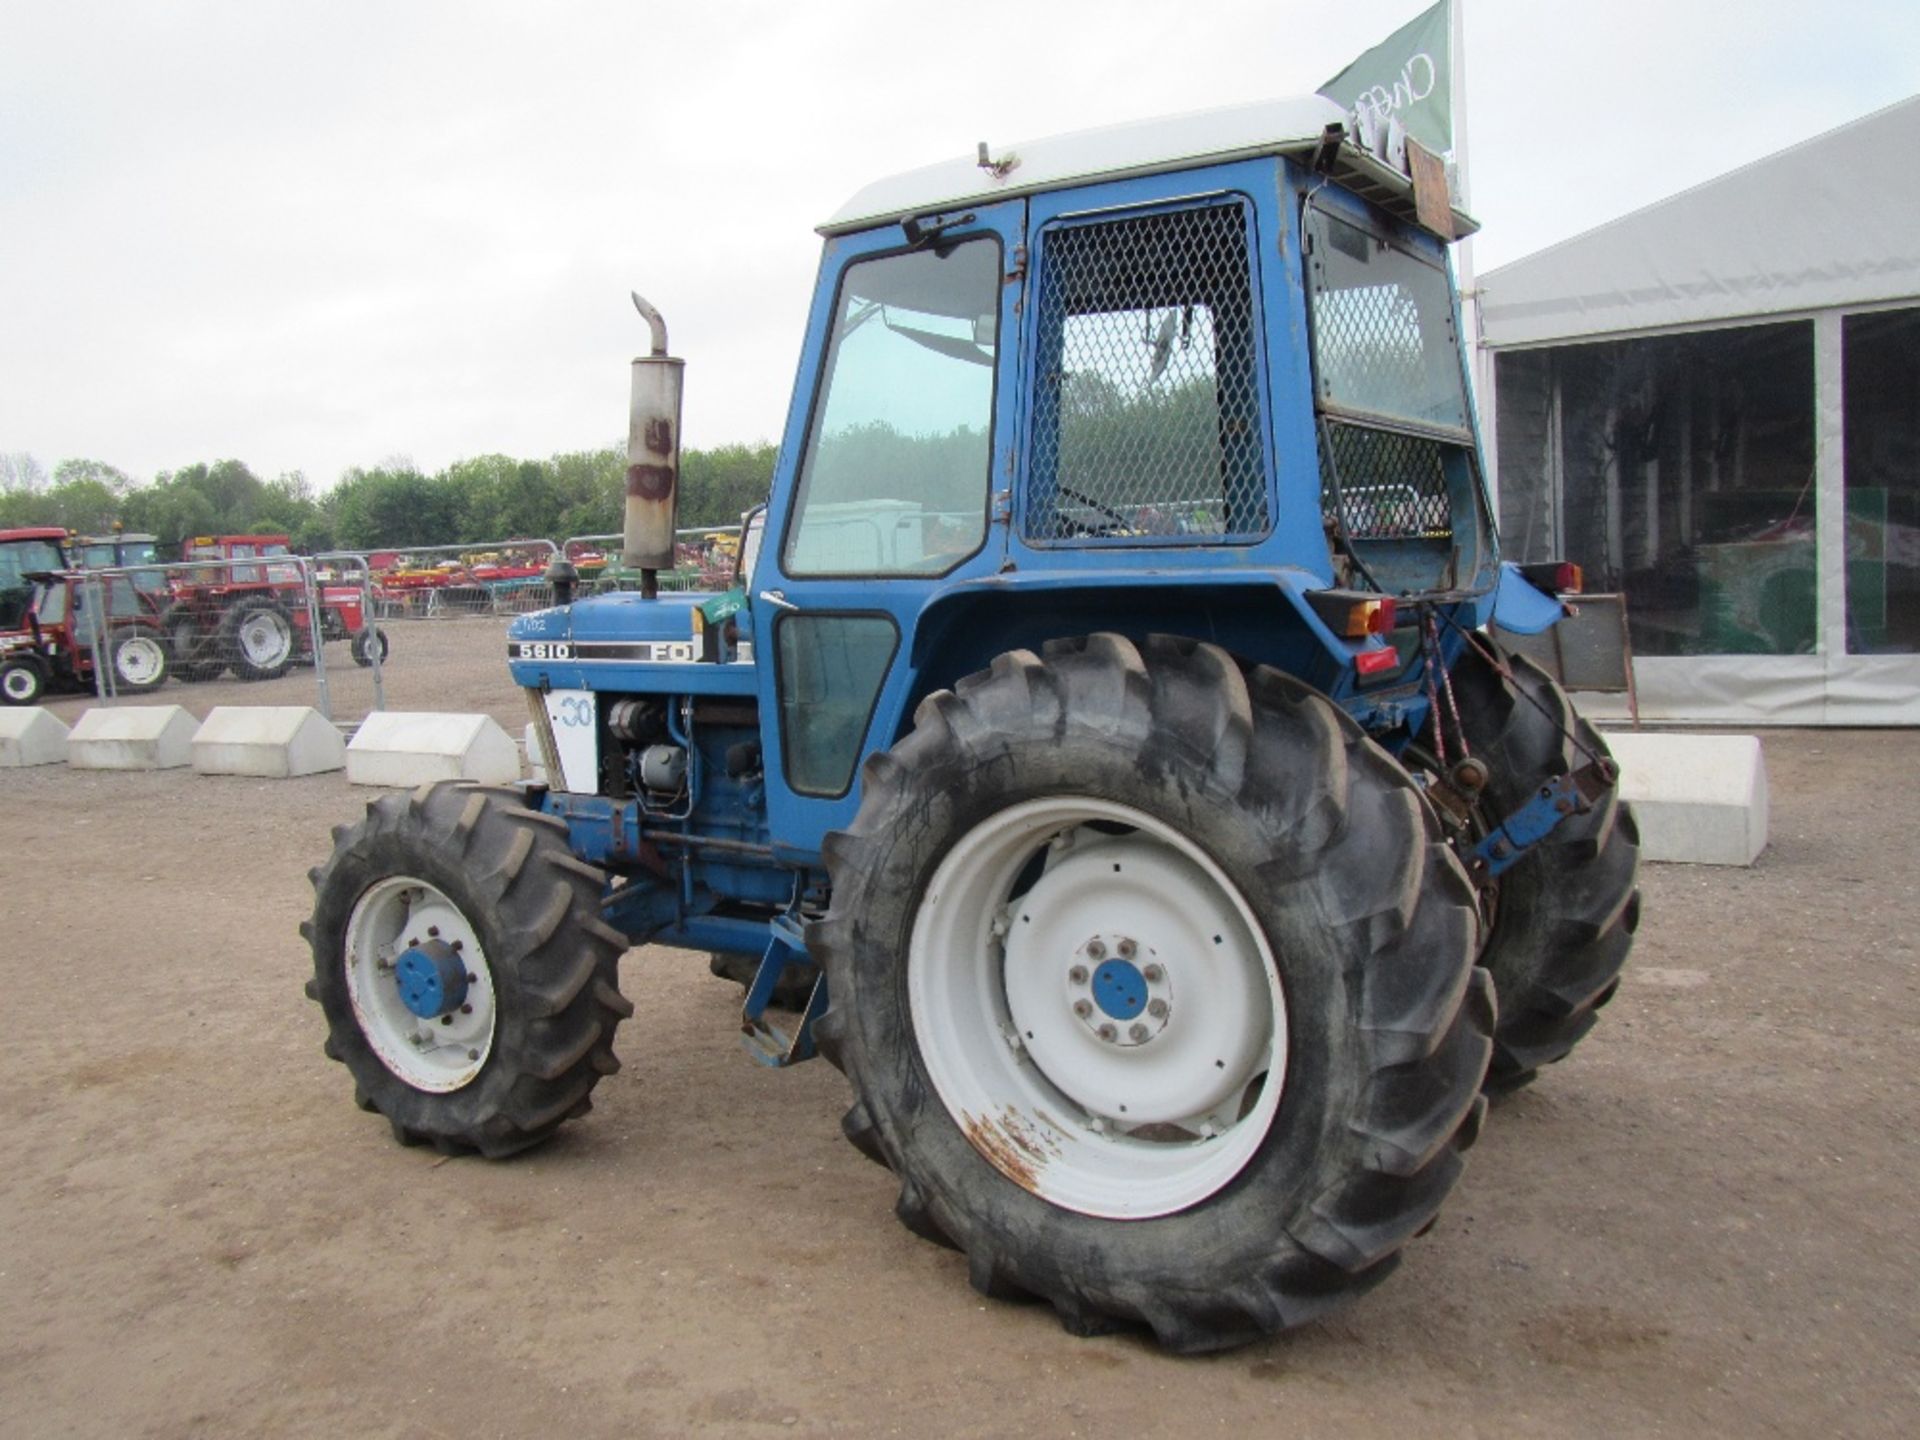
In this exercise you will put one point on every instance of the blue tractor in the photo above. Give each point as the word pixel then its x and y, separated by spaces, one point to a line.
pixel 1104 730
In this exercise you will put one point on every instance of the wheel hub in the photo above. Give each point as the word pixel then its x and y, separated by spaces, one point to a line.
pixel 432 979
pixel 419 983
pixel 1118 989
pixel 1044 1007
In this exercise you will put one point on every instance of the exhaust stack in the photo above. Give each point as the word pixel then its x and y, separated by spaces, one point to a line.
pixel 653 456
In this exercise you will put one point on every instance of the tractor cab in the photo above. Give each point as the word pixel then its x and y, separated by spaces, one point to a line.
pixel 25 552
pixel 1203 374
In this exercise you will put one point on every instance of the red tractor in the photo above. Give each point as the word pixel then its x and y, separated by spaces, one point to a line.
pixel 51 643
pixel 254 617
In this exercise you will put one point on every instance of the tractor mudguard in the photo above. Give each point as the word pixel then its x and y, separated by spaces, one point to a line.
pixel 1521 606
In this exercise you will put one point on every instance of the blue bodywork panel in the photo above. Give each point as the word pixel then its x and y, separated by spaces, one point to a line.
pixel 1521 606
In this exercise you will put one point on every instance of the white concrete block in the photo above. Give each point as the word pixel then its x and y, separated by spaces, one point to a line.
pixel 274 741
pixel 31 735
pixel 1697 798
pixel 132 737
pixel 408 748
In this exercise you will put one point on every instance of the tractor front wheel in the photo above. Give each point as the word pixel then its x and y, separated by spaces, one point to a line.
pixel 22 682
pixel 364 644
pixel 139 660
pixel 469 985
pixel 1154 982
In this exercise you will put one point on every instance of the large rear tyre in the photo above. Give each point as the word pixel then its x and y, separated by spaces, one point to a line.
pixel 256 636
pixel 1563 917
pixel 469 985
pixel 195 649
pixel 1154 981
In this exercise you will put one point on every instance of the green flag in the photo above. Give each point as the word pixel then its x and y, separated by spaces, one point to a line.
pixel 1406 77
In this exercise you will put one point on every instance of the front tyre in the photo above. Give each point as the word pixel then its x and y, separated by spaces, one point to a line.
pixel 22 682
pixel 469 985
pixel 364 644
pixel 1154 983
pixel 139 659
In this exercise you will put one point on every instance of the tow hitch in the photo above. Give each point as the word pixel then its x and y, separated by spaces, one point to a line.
pixel 1571 794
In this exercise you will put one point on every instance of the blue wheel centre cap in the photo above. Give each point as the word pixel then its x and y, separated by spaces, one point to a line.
pixel 432 979
pixel 1120 989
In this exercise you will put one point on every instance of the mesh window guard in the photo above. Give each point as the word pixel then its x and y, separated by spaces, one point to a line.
pixel 1146 414
pixel 1384 485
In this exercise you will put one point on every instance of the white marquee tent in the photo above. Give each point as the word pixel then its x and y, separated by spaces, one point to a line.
pixel 1713 405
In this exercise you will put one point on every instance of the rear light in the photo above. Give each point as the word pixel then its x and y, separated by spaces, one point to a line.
pixel 1556 577
pixel 1354 614
pixel 1377 661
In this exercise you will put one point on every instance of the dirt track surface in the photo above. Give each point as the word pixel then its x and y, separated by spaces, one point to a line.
pixel 1702 1224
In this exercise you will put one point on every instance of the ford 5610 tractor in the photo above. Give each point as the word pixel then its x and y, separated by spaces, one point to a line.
pixel 1104 727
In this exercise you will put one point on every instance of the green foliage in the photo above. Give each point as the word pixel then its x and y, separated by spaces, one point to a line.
pixel 389 506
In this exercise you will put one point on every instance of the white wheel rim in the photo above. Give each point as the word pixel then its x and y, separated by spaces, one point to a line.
pixel 1127 1125
pixel 265 639
pixel 20 683
pixel 140 660
pixel 432 1054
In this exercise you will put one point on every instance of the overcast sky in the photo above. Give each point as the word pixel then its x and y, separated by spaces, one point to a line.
pixel 317 235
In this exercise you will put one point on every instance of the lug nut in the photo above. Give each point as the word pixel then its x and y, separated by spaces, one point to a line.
pixel 473 1054
pixel 468 1009
pixel 1126 948
pixel 1157 1009
pixel 457 946
pixel 1078 974
pixel 1154 974
pixel 1136 1033
pixel 1096 949
pixel 1083 1008
pixel 1107 1033
pixel 473 979
pixel 446 1019
pixel 433 932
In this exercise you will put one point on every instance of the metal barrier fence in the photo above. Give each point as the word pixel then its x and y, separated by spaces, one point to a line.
pixel 265 623
pixel 347 632
pixel 428 582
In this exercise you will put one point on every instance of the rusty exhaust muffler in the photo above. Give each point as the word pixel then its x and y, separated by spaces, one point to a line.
pixel 653 456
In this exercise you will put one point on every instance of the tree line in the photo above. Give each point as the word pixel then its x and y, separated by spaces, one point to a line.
pixel 390 506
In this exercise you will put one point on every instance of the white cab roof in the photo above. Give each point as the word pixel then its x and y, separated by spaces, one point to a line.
pixel 1141 147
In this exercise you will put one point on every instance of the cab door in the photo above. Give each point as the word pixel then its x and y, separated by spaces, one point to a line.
pixel 891 486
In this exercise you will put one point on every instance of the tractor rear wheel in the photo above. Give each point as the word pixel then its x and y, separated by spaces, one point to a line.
pixel 469 985
pixel 139 659
pixel 1154 982
pixel 22 682
pixel 257 637
pixel 1565 913
pixel 195 649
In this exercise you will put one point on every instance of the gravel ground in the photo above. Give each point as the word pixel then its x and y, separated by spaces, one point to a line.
pixel 1701 1224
